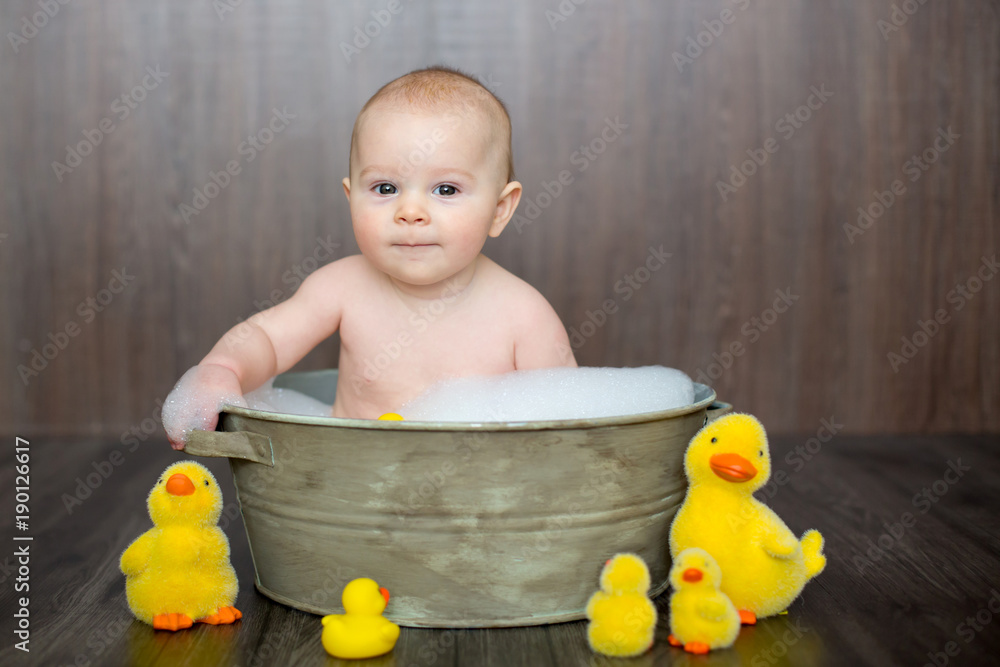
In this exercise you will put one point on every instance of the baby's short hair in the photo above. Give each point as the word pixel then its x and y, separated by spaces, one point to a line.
pixel 441 88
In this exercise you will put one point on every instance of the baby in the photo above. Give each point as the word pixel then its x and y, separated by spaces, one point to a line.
pixel 431 176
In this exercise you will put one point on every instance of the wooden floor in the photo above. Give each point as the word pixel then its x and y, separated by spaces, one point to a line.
pixel 891 594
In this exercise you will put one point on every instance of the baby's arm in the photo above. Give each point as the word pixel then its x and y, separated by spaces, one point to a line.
pixel 540 339
pixel 269 343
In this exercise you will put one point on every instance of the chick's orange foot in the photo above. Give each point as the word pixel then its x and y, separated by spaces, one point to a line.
pixel 673 641
pixel 747 617
pixel 223 616
pixel 696 647
pixel 172 622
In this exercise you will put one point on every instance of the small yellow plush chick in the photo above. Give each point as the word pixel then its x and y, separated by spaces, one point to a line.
pixel 701 616
pixel 178 572
pixel 622 617
pixel 361 632
pixel 764 567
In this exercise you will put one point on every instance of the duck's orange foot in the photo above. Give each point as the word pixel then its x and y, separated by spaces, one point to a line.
pixel 674 641
pixel 223 616
pixel 696 647
pixel 172 622
pixel 747 617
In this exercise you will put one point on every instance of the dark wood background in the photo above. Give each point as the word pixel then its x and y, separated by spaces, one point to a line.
pixel 655 185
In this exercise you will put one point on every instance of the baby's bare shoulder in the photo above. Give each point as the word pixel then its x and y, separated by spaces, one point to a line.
pixel 354 271
pixel 515 294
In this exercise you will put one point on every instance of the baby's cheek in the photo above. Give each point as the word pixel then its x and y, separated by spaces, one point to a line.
pixel 365 233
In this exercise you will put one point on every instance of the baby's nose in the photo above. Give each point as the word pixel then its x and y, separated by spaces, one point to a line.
pixel 411 211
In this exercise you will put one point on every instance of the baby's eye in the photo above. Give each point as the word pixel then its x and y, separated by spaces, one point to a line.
pixel 206 482
pixel 715 439
pixel 446 190
pixel 385 189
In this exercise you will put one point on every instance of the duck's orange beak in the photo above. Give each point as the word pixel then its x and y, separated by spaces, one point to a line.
pixel 691 575
pixel 732 467
pixel 385 594
pixel 180 485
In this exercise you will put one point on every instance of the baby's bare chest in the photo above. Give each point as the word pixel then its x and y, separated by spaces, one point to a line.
pixel 418 347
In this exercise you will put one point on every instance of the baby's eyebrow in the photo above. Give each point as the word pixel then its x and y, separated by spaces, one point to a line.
pixel 373 168
pixel 443 171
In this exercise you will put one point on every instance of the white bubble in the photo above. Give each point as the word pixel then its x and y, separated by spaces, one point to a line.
pixel 553 393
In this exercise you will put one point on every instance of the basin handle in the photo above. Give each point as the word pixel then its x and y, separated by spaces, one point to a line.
pixel 233 444
pixel 716 410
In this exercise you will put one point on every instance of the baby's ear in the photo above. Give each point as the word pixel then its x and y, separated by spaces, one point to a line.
pixel 347 187
pixel 510 196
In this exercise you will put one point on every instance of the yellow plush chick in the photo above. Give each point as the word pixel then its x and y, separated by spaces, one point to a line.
pixel 622 617
pixel 178 572
pixel 764 567
pixel 361 632
pixel 701 616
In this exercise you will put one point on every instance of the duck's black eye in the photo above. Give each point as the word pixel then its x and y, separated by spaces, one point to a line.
pixel 715 439
pixel 760 453
pixel 206 482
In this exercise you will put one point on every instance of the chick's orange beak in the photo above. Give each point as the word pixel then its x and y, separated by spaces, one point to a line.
pixel 691 575
pixel 385 594
pixel 180 485
pixel 732 467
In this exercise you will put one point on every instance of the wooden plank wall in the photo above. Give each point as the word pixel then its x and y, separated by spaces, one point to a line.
pixel 696 90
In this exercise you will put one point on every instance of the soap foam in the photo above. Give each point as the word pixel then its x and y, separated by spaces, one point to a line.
pixel 287 401
pixel 553 393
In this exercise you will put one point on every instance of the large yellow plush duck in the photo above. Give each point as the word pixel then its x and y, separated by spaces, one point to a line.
pixel 361 632
pixel 764 567
pixel 702 618
pixel 178 572
pixel 622 617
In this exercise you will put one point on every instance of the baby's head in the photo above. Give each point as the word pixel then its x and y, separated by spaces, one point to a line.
pixel 452 97
pixel 431 175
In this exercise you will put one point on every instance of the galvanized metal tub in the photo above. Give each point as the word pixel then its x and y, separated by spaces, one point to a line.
pixel 467 524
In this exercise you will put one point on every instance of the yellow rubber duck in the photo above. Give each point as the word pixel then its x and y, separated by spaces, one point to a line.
pixel 361 632
pixel 622 617
pixel 764 567
pixel 702 618
pixel 178 572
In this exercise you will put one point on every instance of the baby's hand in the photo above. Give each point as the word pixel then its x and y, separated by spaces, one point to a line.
pixel 196 399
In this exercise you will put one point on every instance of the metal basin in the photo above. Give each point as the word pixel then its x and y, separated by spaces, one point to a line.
pixel 466 524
